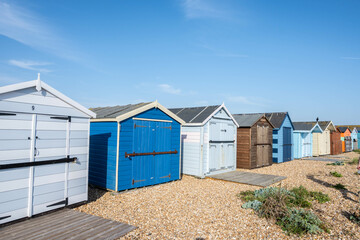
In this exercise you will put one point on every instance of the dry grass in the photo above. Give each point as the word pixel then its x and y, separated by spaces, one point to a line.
pixel 210 209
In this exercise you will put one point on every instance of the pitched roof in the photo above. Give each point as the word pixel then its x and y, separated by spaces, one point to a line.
pixel 276 118
pixel 322 124
pixel 248 119
pixel 41 85
pixel 342 129
pixel 199 115
pixel 120 113
pixel 351 127
pixel 115 111
pixel 303 126
pixel 194 114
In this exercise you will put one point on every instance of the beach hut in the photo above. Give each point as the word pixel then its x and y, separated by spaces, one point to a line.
pixel 336 143
pixel 303 138
pixel 208 140
pixel 283 148
pixel 345 134
pixel 133 146
pixel 254 140
pixel 322 141
pixel 354 138
pixel 44 140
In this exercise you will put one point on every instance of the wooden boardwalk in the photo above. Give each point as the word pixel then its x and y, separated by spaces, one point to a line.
pixel 65 224
pixel 256 179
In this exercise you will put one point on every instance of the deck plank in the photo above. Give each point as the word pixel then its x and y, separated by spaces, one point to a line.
pixel 256 179
pixel 65 224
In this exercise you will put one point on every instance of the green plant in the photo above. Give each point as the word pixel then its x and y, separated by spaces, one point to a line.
pixel 253 205
pixel 274 206
pixel 320 197
pixel 336 174
pixel 247 196
pixel 354 161
pixel 337 163
pixel 301 221
pixel 263 193
pixel 301 197
pixel 339 186
pixel 357 150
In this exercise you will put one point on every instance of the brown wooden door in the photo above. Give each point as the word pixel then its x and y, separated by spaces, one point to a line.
pixel 262 145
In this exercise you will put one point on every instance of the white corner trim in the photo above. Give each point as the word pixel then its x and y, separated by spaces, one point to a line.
pixel 317 124
pixel 35 83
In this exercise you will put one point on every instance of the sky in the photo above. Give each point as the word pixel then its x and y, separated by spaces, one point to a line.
pixel 253 55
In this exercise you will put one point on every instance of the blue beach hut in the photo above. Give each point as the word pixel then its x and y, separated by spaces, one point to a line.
pixel 135 145
pixel 303 140
pixel 283 148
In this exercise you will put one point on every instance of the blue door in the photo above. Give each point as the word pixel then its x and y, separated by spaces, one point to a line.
pixel 153 139
pixel 287 144
pixel 143 171
pixel 163 144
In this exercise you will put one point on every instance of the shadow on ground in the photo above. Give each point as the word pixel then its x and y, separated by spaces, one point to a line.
pixel 346 193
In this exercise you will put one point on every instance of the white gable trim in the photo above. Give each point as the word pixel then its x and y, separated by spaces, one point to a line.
pixel 316 125
pixel 208 118
pixel 147 107
pixel 38 84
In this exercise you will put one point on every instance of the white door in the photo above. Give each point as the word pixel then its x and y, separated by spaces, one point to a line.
pixel 222 144
pixel 50 180
pixel 33 164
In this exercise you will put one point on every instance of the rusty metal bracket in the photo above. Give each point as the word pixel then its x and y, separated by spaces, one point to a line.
pixel 149 153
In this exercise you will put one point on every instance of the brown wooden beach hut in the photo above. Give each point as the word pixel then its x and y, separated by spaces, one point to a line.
pixel 254 140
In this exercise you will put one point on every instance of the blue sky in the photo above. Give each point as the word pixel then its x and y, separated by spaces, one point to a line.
pixel 254 55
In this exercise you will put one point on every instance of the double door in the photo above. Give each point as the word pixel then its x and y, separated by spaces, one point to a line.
pixel 221 145
pixel 34 159
pixel 287 144
pixel 263 146
pixel 152 153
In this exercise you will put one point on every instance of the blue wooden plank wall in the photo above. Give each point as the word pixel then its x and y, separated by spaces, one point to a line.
pixel 102 154
pixel 278 141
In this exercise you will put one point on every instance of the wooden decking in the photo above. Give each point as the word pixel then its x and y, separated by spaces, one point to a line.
pixel 65 224
pixel 256 179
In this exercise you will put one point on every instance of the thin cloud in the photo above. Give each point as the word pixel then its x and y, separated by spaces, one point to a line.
pixel 31 65
pixel 194 9
pixel 27 28
pixel 4 80
pixel 169 89
pixel 351 58
pixel 244 100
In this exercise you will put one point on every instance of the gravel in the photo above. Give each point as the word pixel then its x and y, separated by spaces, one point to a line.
pixel 205 208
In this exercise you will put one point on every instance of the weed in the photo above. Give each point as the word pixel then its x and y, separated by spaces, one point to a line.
pixel 336 174
pixel 320 197
pixel 301 221
pixel 247 196
pixel 357 150
pixel 253 205
pixel 339 186
pixel 337 163
pixel 354 161
pixel 275 206
pixel 301 197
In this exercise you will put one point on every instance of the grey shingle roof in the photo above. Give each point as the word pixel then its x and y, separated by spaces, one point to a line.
pixel 276 118
pixel 247 120
pixel 194 114
pixel 303 126
pixel 115 111
pixel 342 129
